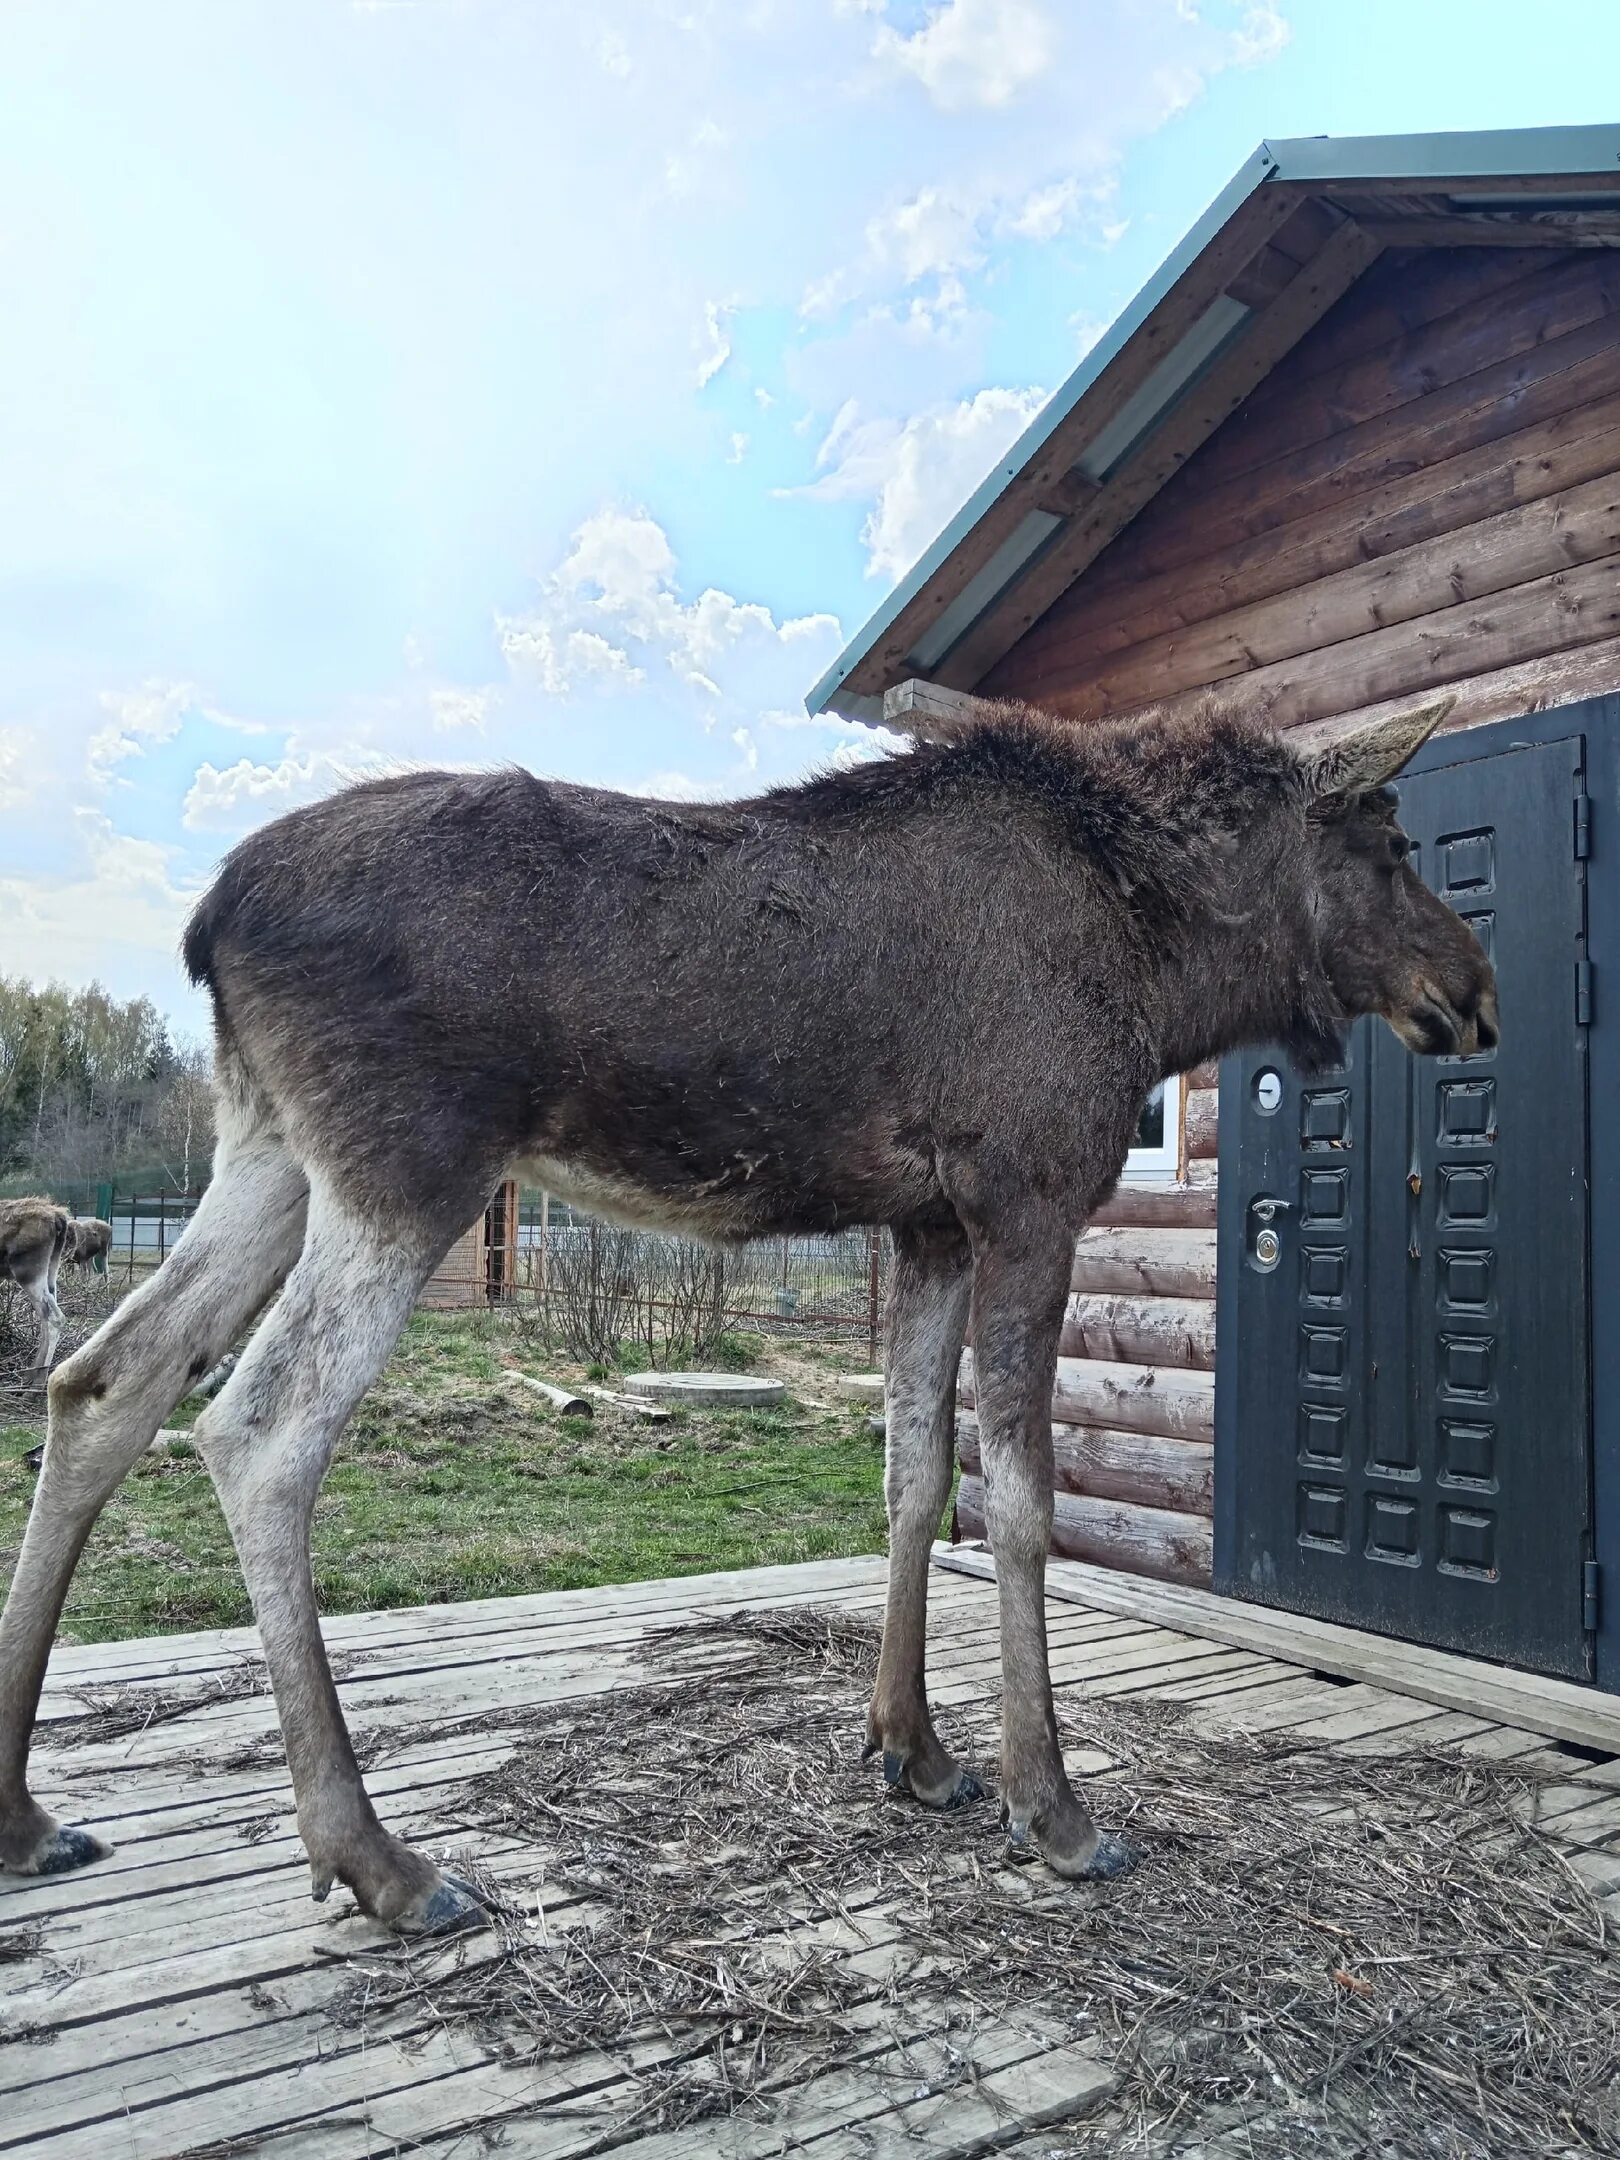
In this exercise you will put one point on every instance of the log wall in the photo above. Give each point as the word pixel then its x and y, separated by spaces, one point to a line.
pixel 1133 1411
pixel 1424 493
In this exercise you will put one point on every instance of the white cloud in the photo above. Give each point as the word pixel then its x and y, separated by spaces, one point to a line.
pixel 917 473
pixel 715 348
pixel 459 708
pixel 246 794
pixel 18 750
pixel 611 608
pixel 973 52
pixel 152 714
pixel 114 912
pixel 738 450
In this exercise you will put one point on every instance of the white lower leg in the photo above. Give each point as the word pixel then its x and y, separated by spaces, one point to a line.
pixel 106 1403
pixel 267 1439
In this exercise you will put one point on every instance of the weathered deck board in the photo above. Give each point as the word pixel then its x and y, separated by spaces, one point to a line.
pixel 165 2039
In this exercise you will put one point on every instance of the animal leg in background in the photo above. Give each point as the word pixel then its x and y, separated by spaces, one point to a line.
pixel 1020 1285
pixel 928 1305
pixel 107 1402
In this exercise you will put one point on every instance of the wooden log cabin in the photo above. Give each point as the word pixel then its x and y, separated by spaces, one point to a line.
pixel 1331 1347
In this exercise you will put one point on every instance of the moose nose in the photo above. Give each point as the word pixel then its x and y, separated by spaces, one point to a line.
pixel 1486 1025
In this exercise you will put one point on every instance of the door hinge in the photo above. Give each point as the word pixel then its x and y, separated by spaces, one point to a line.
pixel 1583 826
pixel 1583 993
pixel 1591 1577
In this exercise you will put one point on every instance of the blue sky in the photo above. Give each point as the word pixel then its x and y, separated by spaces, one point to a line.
pixel 461 381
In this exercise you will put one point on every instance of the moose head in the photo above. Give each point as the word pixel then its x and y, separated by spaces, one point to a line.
pixel 1385 943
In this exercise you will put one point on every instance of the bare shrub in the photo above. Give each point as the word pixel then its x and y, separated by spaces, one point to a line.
pixel 593 1291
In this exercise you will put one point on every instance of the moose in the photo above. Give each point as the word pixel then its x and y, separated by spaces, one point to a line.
pixel 930 992
pixel 35 1237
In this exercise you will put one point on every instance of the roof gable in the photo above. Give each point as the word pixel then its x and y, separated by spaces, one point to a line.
pixel 1290 234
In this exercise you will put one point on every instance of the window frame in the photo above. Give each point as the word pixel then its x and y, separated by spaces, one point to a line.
pixel 1161 1165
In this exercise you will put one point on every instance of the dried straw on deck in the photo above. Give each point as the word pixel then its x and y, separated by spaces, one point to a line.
pixel 1343 1952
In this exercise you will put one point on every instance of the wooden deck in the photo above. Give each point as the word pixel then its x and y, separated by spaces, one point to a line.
pixel 178 1995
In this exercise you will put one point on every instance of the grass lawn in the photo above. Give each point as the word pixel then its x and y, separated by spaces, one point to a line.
pixel 453 1482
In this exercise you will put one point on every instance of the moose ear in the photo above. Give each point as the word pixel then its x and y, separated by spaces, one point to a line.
pixel 1374 754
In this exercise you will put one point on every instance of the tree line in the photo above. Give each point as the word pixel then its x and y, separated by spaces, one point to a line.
pixel 95 1088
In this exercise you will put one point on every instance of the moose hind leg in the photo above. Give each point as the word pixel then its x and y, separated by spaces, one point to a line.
pixel 928 1302
pixel 1020 1285
pixel 106 1403
pixel 40 1291
pixel 267 1439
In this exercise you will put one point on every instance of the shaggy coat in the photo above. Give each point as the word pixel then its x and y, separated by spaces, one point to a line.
pixel 931 992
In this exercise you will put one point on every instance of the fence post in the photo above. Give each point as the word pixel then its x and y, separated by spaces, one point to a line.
pixel 873 1313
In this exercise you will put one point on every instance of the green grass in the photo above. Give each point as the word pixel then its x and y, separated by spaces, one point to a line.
pixel 453 1483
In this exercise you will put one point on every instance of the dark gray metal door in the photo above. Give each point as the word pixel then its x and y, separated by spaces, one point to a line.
pixel 1403 1415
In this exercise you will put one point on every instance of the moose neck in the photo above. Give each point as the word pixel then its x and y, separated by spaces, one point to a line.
pixel 1246 974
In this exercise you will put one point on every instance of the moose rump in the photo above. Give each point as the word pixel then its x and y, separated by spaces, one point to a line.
pixel 930 993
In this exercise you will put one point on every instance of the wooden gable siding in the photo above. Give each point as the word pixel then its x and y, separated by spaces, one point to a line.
pixel 1425 492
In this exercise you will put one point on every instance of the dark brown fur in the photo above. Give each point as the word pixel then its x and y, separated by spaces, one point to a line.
pixel 777 1014
pixel 932 992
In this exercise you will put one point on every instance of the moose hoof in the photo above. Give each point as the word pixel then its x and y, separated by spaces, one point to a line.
pixel 452 1907
pixel 59 1852
pixel 1078 1854
pixel 948 1788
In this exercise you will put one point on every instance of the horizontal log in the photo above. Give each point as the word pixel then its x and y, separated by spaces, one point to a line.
pixel 1203 1120
pixel 1158 1263
pixel 1491 556
pixel 1144 1468
pixel 1166 1545
pixel 1508 693
pixel 1140 1330
pixel 1418 502
pixel 930 712
pixel 1549 615
pixel 1178 1404
pixel 1187 1206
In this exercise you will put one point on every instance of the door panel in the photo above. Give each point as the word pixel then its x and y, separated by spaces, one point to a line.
pixel 1403 1358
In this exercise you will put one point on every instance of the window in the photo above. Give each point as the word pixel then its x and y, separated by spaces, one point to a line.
pixel 1156 1156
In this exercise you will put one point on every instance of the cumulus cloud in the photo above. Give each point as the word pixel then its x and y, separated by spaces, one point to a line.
pixel 612 609
pixel 973 52
pixel 246 794
pixel 916 473
pixel 460 708
pixel 114 911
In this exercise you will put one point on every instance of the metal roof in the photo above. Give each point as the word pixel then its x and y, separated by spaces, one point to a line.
pixel 1414 161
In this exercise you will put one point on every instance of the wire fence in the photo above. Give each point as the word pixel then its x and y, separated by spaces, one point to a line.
pixel 586 1285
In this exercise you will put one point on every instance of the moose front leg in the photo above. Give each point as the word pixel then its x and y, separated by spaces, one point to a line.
pixel 927 1317
pixel 1020 1286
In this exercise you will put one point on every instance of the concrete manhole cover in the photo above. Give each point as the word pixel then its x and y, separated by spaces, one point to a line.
pixel 707 1390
